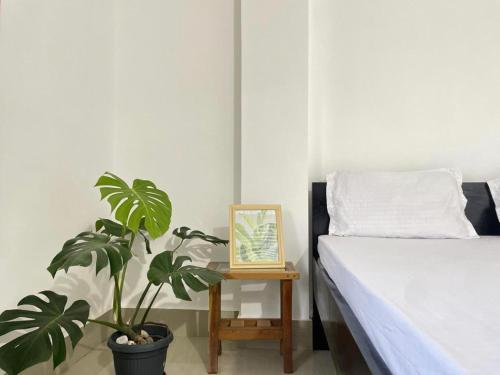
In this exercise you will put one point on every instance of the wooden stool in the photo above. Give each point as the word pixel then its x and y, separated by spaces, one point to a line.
pixel 251 329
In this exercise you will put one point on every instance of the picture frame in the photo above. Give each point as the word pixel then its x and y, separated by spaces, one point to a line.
pixel 256 236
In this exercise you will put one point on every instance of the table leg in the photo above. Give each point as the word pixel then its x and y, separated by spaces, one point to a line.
pixel 214 320
pixel 281 313
pixel 286 321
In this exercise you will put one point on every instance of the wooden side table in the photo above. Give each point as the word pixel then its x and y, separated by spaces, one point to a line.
pixel 251 329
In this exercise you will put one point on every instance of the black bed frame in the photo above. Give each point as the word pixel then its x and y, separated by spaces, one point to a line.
pixel 335 327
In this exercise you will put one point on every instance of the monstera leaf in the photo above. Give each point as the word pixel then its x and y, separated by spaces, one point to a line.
pixel 166 269
pixel 186 233
pixel 78 252
pixel 133 204
pixel 47 338
pixel 116 229
pixel 111 227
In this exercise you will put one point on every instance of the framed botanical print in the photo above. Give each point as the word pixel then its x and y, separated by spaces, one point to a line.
pixel 256 236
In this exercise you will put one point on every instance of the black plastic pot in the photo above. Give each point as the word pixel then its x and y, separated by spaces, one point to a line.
pixel 143 359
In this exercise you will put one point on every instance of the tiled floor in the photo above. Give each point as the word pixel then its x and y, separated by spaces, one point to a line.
pixel 188 356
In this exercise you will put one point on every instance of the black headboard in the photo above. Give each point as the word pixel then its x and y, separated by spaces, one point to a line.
pixel 480 210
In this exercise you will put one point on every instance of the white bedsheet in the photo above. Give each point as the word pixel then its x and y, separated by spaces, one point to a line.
pixel 428 306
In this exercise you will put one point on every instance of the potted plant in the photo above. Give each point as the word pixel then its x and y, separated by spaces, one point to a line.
pixel 141 211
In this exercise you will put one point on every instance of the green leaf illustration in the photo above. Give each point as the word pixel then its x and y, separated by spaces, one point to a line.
pixel 257 239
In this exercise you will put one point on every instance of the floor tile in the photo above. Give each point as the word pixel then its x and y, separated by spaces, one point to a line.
pixel 188 355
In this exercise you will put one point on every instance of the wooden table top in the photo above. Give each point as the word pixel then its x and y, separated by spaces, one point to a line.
pixel 287 273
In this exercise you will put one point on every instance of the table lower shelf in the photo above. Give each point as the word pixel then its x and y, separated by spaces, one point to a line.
pixel 250 329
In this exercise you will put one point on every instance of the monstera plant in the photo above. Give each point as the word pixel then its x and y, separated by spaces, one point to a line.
pixel 141 212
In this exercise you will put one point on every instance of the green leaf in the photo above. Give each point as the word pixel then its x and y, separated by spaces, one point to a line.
pixel 78 252
pixel 260 217
pixel 243 236
pixel 243 253
pixel 193 283
pixel 118 230
pixel 142 201
pixel 46 338
pixel 267 247
pixel 142 230
pixel 165 268
pixel 209 276
pixel 111 227
pixel 178 287
pixel 250 220
pixel 186 233
pixel 146 242
pixel 161 268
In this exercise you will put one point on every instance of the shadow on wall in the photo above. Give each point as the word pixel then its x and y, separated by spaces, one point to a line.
pixel 256 306
pixel 295 235
pixel 261 298
pixel 82 283
pixel 201 254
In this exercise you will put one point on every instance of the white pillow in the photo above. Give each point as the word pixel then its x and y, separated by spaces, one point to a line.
pixel 495 193
pixel 422 204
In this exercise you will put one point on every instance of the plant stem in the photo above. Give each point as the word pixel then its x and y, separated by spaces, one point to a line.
pixel 121 278
pixel 144 317
pixel 139 304
pixel 123 329
pixel 123 272
pixel 117 310
pixel 179 245
pixel 131 241
pixel 146 313
pixel 146 241
pixel 119 283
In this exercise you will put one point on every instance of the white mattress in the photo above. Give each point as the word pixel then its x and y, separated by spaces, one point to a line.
pixel 428 306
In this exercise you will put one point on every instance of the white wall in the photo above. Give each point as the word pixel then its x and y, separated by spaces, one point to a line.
pixel 144 89
pixel 399 84
pixel 55 137
pixel 176 112
pixel 151 89
pixel 174 116
pixel 274 134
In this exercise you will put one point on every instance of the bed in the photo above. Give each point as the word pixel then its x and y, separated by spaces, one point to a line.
pixel 403 306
